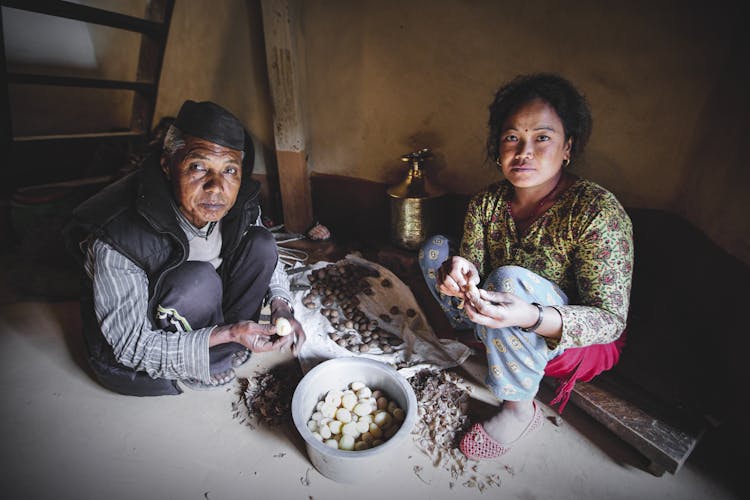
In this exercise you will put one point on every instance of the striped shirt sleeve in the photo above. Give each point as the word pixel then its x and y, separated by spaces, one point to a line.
pixel 279 284
pixel 121 306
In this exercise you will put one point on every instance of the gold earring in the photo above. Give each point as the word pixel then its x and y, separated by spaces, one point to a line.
pixel 498 162
pixel 566 162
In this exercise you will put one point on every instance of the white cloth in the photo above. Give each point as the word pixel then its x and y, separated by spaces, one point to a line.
pixel 421 347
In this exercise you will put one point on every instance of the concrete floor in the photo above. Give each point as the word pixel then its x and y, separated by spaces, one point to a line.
pixel 65 437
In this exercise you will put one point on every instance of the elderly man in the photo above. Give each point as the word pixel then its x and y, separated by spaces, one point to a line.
pixel 178 266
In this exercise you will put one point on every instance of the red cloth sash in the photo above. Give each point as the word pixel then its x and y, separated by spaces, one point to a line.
pixel 581 363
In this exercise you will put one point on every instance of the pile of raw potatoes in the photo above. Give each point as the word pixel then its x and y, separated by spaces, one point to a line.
pixel 356 418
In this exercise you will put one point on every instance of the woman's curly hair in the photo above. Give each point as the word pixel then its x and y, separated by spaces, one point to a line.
pixel 569 104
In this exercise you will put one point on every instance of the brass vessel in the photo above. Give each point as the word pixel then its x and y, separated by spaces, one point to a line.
pixel 416 203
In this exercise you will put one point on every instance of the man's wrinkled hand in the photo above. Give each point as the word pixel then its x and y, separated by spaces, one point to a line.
pixel 280 309
pixel 257 338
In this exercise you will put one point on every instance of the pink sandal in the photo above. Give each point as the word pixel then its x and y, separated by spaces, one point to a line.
pixel 477 444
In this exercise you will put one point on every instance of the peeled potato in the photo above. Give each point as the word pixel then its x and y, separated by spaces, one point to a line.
pixel 471 293
pixel 283 327
pixel 355 424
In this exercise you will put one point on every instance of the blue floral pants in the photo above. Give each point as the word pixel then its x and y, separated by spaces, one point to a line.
pixel 515 359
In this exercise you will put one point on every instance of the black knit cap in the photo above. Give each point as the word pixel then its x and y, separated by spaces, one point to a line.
pixel 209 121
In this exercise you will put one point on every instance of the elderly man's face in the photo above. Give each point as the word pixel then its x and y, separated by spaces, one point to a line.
pixel 205 179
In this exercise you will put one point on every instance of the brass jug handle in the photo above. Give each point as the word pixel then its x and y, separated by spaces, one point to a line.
pixel 418 156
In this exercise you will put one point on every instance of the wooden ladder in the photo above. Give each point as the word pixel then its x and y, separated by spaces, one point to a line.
pixel 153 27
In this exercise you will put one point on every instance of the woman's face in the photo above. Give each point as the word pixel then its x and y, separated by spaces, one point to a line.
pixel 533 146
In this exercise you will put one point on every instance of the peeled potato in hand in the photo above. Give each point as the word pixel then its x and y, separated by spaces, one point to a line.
pixel 283 327
pixel 471 292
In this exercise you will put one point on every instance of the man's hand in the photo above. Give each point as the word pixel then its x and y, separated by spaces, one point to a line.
pixel 280 309
pixel 257 338
pixel 454 274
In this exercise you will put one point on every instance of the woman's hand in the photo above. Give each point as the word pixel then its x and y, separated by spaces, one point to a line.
pixel 499 310
pixel 454 274
pixel 280 309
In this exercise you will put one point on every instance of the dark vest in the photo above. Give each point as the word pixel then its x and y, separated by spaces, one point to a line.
pixel 134 215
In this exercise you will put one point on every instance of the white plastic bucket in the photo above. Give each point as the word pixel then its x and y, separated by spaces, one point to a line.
pixel 336 374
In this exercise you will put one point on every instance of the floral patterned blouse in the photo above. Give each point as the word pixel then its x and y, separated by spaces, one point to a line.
pixel 583 243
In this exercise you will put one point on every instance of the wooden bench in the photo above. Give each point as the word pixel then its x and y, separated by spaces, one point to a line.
pixel 665 438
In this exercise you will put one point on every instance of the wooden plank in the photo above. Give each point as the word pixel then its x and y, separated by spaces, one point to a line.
pixel 127 134
pixel 73 183
pixel 665 443
pixel 295 190
pixel 88 14
pixel 6 127
pixel 146 87
pixel 280 26
pixel 150 59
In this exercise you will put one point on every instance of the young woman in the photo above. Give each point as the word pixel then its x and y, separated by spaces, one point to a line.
pixel 545 264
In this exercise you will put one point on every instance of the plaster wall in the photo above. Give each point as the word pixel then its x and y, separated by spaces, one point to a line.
pixel 716 176
pixel 215 52
pixel 385 77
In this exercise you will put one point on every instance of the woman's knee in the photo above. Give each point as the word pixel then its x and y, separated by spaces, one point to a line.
pixel 508 272
pixel 434 251
pixel 526 284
